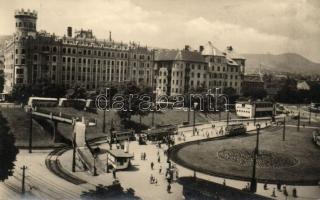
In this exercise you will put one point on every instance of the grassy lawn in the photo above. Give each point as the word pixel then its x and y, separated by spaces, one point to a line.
pixel 18 121
pixel 298 145
pixel 165 117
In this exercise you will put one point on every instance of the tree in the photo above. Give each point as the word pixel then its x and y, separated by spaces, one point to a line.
pixel 254 93
pixel 8 151
pixel 231 94
pixel 133 108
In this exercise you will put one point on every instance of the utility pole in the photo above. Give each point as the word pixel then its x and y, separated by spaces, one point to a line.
pixel 30 133
pixel 194 118
pixel 310 114
pixel 23 189
pixel 227 118
pixel 74 153
pixel 253 185
pixel 257 141
pixel 153 114
pixel 104 113
pixel 189 114
pixel 298 126
pixel 254 114
pixel 284 129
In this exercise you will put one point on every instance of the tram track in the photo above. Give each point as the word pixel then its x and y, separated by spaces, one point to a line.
pixel 54 165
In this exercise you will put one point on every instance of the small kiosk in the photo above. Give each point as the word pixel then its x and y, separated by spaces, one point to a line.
pixel 118 158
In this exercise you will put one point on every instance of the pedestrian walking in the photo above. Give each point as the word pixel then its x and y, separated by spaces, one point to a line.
pixel 152 164
pixel 160 169
pixel 158 159
pixel 294 193
pixel 285 192
pixel 151 179
pixel 274 192
pixel 224 182
pixel 114 174
pixel 169 188
pixel 265 186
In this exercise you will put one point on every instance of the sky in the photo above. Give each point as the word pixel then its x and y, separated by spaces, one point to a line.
pixel 250 26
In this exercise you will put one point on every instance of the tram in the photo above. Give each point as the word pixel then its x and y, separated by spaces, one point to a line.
pixel 42 101
pixel 235 129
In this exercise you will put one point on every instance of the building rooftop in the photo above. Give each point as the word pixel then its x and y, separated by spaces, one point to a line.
pixel 233 54
pixel 178 55
pixel 252 78
pixel 211 50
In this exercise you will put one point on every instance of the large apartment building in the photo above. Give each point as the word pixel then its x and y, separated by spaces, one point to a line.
pixel 180 71
pixel 82 59
pixel 79 58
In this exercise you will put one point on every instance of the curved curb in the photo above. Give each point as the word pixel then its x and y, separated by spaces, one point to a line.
pixel 173 156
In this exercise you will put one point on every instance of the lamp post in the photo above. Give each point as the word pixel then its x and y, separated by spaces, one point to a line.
pixel 94 165
pixel 30 132
pixel 284 129
pixel 74 152
pixel 257 140
pixel 189 114
pixel 194 118
pixel 298 126
pixel 310 114
pixel 254 113
pixel 104 113
pixel 153 110
pixel 253 185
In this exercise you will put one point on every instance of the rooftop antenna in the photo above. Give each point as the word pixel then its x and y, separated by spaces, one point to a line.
pixel 110 36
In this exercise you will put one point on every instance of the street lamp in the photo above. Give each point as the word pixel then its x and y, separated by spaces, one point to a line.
pixel 257 141
pixel 298 126
pixel 310 114
pixel 104 113
pixel 284 129
pixel 153 110
pixel 194 117
pixel 95 155
pixel 253 185
pixel 254 113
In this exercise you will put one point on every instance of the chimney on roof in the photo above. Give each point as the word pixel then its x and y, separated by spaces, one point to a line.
pixel 110 38
pixel 187 47
pixel 69 31
pixel 201 48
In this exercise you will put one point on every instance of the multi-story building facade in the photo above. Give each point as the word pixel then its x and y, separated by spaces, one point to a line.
pixel 179 71
pixel 82 59
pixel 32 56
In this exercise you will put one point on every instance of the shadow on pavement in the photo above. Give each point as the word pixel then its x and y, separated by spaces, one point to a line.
pixel 115 191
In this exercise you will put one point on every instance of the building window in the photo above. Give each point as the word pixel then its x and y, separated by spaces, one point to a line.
pixel 19 71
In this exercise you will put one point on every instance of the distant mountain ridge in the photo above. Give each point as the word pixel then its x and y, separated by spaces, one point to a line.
pixel 287 62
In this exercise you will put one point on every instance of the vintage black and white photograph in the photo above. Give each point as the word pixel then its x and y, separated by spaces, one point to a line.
pixel 159 99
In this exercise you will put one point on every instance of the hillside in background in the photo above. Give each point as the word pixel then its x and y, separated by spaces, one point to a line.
pixel 287 62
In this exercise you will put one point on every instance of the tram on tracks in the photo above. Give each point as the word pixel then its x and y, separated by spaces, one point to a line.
pixel 235 129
